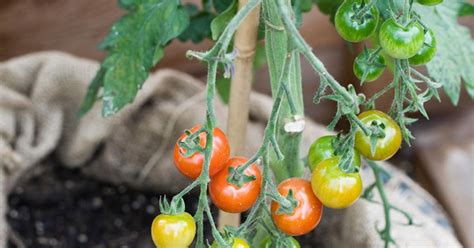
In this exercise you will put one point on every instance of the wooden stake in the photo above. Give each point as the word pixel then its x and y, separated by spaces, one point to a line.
pixel 241 85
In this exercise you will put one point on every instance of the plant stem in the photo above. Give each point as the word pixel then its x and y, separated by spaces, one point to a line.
pixel 384 233
pixel 317 65
pixel 245 44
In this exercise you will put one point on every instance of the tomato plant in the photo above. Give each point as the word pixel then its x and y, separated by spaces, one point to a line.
pixel 386 144
pixel 427 51
pixel 322 149
pixel 173 231
pixel 307 213
pixel 400 33
pixel 191 165
pixel 230 197
pixel 333 187
pixel 354 23
pixel 401 42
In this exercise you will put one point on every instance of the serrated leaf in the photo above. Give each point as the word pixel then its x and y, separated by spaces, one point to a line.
pixel 220 22
pixel 92 92
pixel 454 60
pixel 133 46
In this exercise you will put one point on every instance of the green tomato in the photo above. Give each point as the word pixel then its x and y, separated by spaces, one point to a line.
pixel 401 42
pixel 173 231
pixel 430 2
pixel 373 70
pixel 427 51
pixel 352 29
pixel 322 149
pixel 385 147
pixel 268 243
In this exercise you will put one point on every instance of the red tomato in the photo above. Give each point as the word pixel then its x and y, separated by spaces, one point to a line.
pixel 306 215
pixel 192 166
pixel 227 196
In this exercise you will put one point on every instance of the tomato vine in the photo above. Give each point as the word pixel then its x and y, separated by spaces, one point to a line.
pixel 386 23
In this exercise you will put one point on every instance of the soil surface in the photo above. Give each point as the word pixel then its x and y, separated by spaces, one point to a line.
pixel 59 207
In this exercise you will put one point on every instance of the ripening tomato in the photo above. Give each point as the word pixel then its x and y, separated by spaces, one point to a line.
pixel 191 166
pixel 427 51
pixel 386 146
pixel 353 28
pixel 333 187
pixel 237 243
pixel 401 42
pixel 306 214
pixel 268 243
pixel 322 149
pixel 430 2
pixel 173 231
pixel 373 70
pixel 229 197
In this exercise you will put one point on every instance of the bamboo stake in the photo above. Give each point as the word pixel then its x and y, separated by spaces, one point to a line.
pixel 241 85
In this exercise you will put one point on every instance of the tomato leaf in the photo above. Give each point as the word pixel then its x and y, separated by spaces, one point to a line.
pixel 134 46
pixel 199 28
pixel 466 9
pixel 220 22
pixel 328 7
pixel 454 60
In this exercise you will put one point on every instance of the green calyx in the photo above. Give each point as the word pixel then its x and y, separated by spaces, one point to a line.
pixel 191 144
pixel 287 204
pixel 176 206
pixel 238 178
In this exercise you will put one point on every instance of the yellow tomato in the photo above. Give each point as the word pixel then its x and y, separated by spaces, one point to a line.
pixel 173 231
pixel 386 146
pixel 333 187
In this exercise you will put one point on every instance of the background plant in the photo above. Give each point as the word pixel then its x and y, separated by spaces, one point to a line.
pixel 136 43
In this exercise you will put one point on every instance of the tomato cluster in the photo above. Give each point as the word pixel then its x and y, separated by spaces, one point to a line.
pixel 336 188
pixel 178 230
pixel 358 20
pixel 235 189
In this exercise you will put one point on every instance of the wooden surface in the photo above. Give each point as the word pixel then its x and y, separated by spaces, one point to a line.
pixel 446 152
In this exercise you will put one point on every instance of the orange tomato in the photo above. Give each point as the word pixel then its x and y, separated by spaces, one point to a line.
pixel 229 197
pixel 306 215
pixel 191 166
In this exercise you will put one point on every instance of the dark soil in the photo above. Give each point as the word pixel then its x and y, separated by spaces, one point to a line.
pixel 59 207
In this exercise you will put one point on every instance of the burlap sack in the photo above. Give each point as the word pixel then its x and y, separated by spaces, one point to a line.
pixel 40 94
